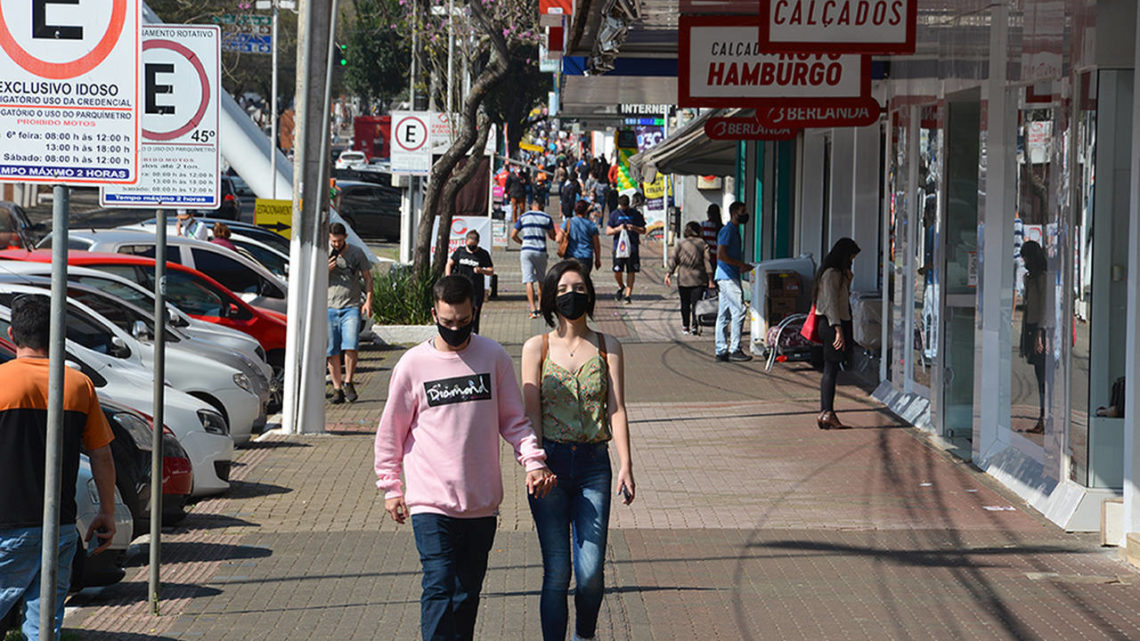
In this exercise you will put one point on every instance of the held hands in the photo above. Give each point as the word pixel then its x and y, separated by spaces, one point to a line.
pixel 539 482
pixel 397 508
pixel 839 344
pixel 103 529
pixel 626 487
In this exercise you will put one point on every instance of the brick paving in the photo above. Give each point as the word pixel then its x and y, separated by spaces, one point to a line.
pixel 750 524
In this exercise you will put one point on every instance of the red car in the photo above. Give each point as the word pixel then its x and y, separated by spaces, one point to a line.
pixel 193 292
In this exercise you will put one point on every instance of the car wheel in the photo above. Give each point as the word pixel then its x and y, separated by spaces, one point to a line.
pixel 173 509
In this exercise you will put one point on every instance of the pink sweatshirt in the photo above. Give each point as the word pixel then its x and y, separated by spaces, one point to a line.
pixel 441 424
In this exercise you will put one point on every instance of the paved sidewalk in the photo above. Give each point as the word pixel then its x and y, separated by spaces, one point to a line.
pixel 750 524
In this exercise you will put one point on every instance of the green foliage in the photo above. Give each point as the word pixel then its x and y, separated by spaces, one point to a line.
pixel 377 54
pixel 399 298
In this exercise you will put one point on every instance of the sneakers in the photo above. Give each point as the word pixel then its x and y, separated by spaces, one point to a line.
pixel 685 331
pixel 619 294
pixel 337 397
pixel 722 358
pixel 628 300
pixel 350 392
pixel 739 357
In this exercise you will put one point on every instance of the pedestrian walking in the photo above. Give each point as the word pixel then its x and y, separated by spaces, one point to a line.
pixel 541 191
pixel 450 399
pixel 531 230
pixel 710 228
pixel 574 393
pixel 1033 334
pixel 516 191
pixel 472 262
pixel 350 280
pixel 585 245
pixel 832 297
pixel 221 232
pixel 23 426
pixel 730 303
pixel 568 195
pixel 187 226
pixel 690 261
pixel 626 225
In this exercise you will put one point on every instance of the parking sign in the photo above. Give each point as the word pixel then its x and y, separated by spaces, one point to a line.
pixel 181 70
pixel 411 143
pixel 69 91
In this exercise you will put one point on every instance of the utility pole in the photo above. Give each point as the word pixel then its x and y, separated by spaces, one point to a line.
pixel 273 106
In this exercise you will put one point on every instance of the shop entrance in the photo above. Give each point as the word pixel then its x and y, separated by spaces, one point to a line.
pixel 954 395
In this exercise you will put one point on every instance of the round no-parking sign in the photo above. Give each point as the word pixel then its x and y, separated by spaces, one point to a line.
pixel 69 91
pixel 411 138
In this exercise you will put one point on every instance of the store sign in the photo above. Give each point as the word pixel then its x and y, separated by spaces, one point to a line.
pixel 411 143
pixel 856 113
pixel 723 65
pixel 69 91
pixel 839 26
pixel 180 155
pixel 746 129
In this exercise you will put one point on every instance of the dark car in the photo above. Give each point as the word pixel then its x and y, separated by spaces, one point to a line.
pixel 371 209
pixel 16 232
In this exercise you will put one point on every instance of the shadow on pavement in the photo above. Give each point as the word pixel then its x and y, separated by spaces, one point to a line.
pixel 248 490
pixel 199 521
pixel 86 635
pixel 272 445
pixel 199 552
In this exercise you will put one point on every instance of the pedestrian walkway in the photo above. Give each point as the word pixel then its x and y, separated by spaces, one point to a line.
pixel 750 524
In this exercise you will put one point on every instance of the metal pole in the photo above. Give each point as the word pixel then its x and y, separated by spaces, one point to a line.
pixel 450 59
pixel 154 582
pixel 273 106
pixel 53 461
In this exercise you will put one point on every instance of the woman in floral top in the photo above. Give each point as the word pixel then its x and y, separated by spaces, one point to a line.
pixel 573 389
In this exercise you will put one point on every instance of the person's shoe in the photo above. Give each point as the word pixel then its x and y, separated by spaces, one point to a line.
pixel 832 421
pixel 739 357
pixel 822 421
pixel 685 331
pixel 628 300
pixel 696 330
pixel 723 358
pixel 534 314
pixel 620 293
pixel 350 392
pixel 578 638
pixel 337 397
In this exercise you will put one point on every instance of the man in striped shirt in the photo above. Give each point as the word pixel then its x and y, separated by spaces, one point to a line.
pixel 531 230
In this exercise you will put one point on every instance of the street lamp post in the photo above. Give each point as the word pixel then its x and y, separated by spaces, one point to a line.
pixel 274 5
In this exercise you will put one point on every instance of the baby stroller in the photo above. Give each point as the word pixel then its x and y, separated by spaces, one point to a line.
pixel 785 343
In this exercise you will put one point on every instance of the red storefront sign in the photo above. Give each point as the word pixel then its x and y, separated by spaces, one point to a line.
pixel 853 113
pixel 555 7
pixel 745 129
pixel 723 65
pixel 839 26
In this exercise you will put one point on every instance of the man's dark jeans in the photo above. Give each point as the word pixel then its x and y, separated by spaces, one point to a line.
pixel 453 553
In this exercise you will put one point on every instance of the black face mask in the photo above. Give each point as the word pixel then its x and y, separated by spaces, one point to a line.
pixel 572 304
pixel 743 219
pixel 455 337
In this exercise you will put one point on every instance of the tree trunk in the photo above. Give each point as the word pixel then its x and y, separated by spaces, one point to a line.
pixel 451 193
pixel 442 170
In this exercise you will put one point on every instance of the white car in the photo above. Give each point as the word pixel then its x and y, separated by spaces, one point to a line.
pixel 243 276
pixel 226 389
pixel 106 567
pixel 351 159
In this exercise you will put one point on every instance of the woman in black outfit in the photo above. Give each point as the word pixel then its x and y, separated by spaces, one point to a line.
pixel 1033 321
pixel 832 296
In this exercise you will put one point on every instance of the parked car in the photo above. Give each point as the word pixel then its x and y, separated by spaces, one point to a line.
pixel 16 232
pixel 191 291
pixel 247 230
pixel 243 276
pixel 106 567
pixel 372 209
pixel 200 428
pixel 351 159
pixel 267 255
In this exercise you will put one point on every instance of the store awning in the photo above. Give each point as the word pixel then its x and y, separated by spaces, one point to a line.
pixel 689 152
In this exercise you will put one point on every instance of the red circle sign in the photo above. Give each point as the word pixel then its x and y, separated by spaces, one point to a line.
pixel 458 227
pixel 196 119
pixel 423 127
pixel 64 70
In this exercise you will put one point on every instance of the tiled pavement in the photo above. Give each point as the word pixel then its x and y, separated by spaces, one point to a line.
pixel 750 524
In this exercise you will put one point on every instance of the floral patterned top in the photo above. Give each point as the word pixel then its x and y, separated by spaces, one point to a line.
pixel 574 403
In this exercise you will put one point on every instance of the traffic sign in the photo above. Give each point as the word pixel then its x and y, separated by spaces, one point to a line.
pixel 180 152
pixel 69 91
pixel 411 143
pixel 276 215
pixel 247 43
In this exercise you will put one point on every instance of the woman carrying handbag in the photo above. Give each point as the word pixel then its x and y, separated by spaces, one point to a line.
pixel 690 261
pixel 832 309
pixel 573 390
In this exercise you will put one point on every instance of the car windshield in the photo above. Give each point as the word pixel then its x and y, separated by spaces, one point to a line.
pixel 270 260
pixel 121 315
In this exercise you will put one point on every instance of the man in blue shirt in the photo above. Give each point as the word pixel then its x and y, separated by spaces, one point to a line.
pixel 729 267
pixel 531 230
pixel 633 223
pixel 584 247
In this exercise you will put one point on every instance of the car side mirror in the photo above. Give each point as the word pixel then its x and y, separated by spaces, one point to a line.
pixel 229 310
pixel 139 330
pixel 119 348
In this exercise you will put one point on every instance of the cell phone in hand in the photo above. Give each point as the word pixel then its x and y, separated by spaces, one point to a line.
pixel 625 495
pixel 334 253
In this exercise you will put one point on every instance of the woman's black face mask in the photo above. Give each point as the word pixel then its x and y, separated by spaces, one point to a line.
pixel 572 305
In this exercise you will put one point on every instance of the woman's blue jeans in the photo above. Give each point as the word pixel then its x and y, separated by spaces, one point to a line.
pixel 572 523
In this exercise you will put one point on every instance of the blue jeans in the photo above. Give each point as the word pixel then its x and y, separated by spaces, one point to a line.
pixel 574 517
pixel 729 316
pixel 453 553
pixel 20 573
pixel 344 329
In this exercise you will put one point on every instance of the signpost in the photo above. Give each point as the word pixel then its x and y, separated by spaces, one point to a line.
pixel 839 26
pixel 179 155
pixel 722 65
pixel 855 113
pixel 411 143
pixel 70 115
pixel 276 215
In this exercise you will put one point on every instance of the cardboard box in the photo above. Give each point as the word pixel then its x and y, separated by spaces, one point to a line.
pixel 783 284
pixel 779 308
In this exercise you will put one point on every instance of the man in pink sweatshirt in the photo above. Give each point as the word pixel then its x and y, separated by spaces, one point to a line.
pixel 449 401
